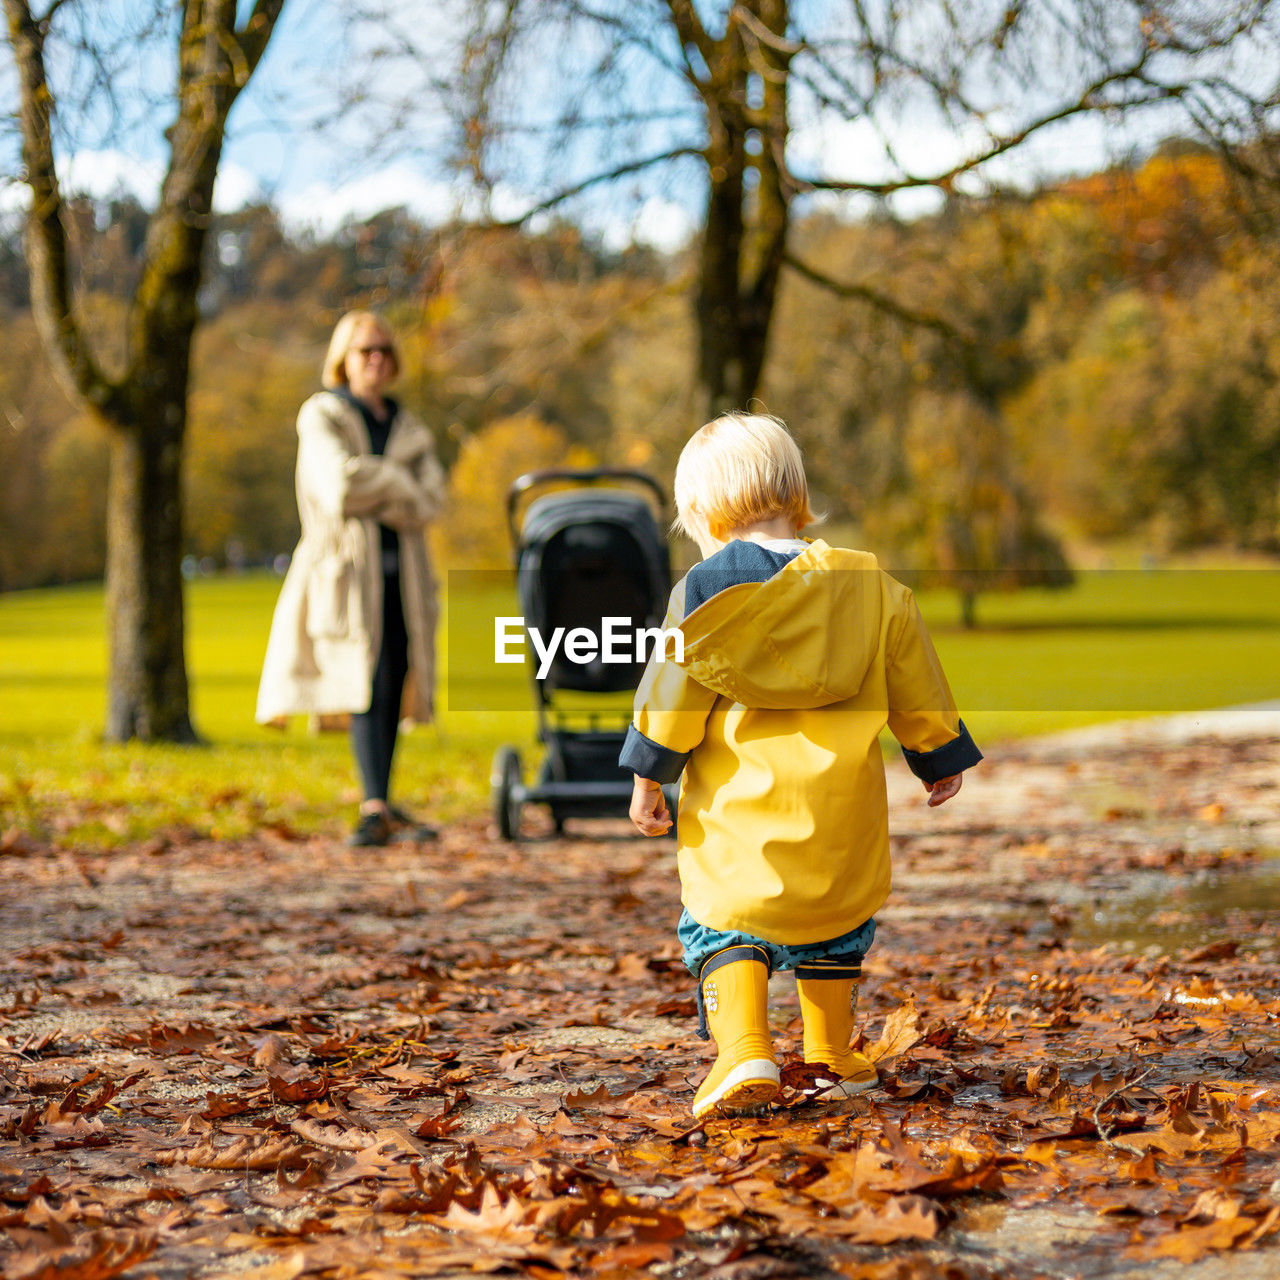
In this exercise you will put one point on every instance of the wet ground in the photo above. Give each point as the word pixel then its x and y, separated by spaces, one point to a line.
pixel 532 973
pixel 1152 915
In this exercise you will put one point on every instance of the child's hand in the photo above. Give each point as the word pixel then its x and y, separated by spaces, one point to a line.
pixel 649 808
pixel 942 790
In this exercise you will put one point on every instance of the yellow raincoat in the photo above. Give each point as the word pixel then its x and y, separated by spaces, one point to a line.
pixel 779 701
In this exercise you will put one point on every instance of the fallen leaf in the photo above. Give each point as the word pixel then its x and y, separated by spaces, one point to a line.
pixel 496 1219
pixel 1213 1204
pixel 577 1100
pixel 901 1218
pixel 245 1153
pixel 97 1255
pixel 271 1054
pixel 901 1031
pixel 1190 1244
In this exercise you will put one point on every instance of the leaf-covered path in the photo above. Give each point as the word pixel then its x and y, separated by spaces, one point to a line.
pixel 285 1058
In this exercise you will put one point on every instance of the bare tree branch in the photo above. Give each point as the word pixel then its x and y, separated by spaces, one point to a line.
pixel 690 29
pixel 214 64
pixel 881 301
pixel 44 19
pixel 756 69
pixel 636 33
pixel 623 120
pixel 256 33
pixel 47 231
pixel 778 42
pixel 597 179
pixel 1089 101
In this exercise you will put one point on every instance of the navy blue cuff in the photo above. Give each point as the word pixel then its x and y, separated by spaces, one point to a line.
pixel 648 759
pixel 942 762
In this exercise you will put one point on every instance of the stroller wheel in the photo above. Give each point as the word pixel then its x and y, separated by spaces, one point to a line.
pixel 508 792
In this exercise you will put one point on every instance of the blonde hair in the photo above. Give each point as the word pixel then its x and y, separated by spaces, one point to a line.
pixel 739 469
pixel 334 372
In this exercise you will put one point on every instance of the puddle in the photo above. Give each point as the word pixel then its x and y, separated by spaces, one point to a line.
pixel 1065 1242
pixel 1032 1233
pixel 1173 914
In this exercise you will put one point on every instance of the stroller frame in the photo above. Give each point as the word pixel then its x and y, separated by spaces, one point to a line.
pixel 579 776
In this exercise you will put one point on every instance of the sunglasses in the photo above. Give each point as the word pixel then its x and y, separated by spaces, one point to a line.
pixel 366 352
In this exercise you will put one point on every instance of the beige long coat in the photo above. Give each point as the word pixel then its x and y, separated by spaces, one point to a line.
pixel 327 627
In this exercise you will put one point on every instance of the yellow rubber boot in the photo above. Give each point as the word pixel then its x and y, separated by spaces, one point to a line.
pixel 735 996
pixel 829 1006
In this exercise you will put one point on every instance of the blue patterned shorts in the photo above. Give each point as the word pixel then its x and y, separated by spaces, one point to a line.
pixel 700 943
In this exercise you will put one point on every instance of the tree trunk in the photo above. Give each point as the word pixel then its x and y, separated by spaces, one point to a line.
pixel 145 407
pixel 744 240
pixel 734 315
pixel 724 382
pixel 147 694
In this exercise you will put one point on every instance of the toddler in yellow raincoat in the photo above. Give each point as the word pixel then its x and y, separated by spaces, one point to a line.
pixel 796 655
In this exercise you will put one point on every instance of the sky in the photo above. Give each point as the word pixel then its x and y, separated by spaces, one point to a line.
pixel 320 180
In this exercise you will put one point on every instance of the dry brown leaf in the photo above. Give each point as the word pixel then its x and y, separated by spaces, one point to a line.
pixel 632 1257
pixel 322 1133
pixel 271 1054
pixel 901 1218
pixel 1190 1244
pixel 245 1153
pixel 495 1219
pixel 97 1255
pixel 901 1031
pixel 849 1174
pixel 1212 1204
pixel 555 982
pixel 577 1099
pixel 297 1084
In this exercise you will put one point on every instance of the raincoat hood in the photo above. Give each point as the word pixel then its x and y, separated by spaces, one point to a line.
pixel 772 722
pixel 805 638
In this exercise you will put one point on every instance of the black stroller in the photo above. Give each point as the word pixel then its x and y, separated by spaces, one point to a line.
pixel 588 548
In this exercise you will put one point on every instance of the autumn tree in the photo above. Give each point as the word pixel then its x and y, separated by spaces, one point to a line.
pixel 550 327
pixel 906 427
pixel 24 435
pixel 748 110
pixel 139 392
pixel 518 324
pixel 473 533
pixel 1166 414
pixel 254 365
pixel 959 516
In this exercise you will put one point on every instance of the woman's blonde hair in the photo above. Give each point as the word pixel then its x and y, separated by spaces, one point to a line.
pixel 739 469
pixel 334 373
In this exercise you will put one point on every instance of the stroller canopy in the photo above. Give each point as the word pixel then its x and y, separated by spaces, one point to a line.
pixel 583 556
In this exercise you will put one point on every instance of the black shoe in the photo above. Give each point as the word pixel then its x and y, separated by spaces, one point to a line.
pixel 411 829
pixel 371 831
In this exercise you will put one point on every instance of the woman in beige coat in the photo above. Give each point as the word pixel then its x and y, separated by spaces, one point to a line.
pixel 354 626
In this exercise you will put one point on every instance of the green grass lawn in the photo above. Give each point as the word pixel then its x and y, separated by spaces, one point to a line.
pixel 1118 644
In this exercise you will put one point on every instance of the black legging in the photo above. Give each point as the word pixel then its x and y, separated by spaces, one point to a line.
pixel 373 732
